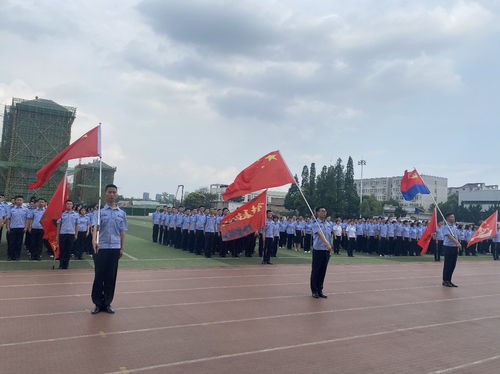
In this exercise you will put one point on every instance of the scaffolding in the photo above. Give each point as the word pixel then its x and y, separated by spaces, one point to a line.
pixel 34 131
pixel 86 181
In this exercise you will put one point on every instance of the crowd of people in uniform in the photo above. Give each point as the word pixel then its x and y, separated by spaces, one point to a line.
pixel 23 226
pixel 198 231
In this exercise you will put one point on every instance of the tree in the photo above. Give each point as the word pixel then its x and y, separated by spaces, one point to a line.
pixel 371 207
pixel 194 200
pixel 293 196
pixel 351 193
pixel 312 184
pixel 340 203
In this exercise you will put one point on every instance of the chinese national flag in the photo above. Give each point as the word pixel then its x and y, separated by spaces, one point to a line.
pixel 424 241
pixel 246 219
pixel 268 171
pixel 53 213
pixel 487 229
pixel 88 145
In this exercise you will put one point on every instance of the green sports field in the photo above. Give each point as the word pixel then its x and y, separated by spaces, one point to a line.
pixel 141 252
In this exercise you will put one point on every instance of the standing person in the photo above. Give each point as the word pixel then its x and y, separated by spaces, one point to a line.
pixel 17 225
pixel 83 223
pixel 308 235
pixel 67 231
pixel 351 237
pixel 3 214
pixel 391 232
pixel 495 248
pixel 360 237
pixel 383 235
pixel 108 249
pixel 185 230
pixel 451 247
pixel 36 229
pixel 268 234
pixel 200 226
pixel 322 250
pixel 337 237
pixel 210 227
pixel 157 215
pixel 276 236
pixel 299 228
pixel 192 230
pixel 283 226
pixel 290 232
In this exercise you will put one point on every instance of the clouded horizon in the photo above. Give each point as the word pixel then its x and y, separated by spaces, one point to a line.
pixel 191 92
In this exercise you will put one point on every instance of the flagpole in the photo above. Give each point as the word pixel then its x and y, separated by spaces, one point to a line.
pixel 437 206
pixel 303 196
pixel 62 203
pixel 100 189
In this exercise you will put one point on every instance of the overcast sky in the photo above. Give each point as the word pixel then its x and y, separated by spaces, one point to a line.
pixel 191 92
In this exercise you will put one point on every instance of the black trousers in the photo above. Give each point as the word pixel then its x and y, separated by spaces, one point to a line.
pixel 80 244
pixel 178 237
pixel 160 234
pixel 106 268
pixel 209 243
pixel 268 250
pixel 156 230
pixel 450 261
pixel 372 244
pixel 391 241
pixel 290 238
pixel 36 243
pixel 262 244
pixel 351 243
pixel 360 239
pixel 249 244
pixel 15 242
pixel 200 242
pixel 192 241
pixel 307 242
pixel 495 250
pixel 382 246
pixel 171 236
pixel 282 239
pixel 318 270
pixel 336 244
pixel 275 246
pixel 438 251
pixel 164 239
pixel 185 239
pixel 65 247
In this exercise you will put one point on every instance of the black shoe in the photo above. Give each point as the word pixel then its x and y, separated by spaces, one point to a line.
pixel 269 263
pixel 446 284
pixel 322 295
pixel 315 295
pixel 263 262
pixel 452 284
pixel 109 310
pixel 96 310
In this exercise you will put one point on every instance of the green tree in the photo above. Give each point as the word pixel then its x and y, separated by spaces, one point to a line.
pixel 340 203
pixel 293 195
pixel 311 196
pixel 351 193
pixel 371 206
pixel 194 200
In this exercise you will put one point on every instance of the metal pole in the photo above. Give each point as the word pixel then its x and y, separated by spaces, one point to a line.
pixel 100 201
pixel 361 163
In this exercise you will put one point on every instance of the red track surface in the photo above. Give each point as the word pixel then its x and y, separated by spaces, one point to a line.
pixel 394 318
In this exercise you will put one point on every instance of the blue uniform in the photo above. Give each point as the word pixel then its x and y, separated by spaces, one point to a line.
pixel 210 223
pixel 36 215
pixel 17 216
pixel 68 221
pixel 83 223
pixel 200 221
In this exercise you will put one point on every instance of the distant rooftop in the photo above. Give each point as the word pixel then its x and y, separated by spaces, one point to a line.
pixel 38 104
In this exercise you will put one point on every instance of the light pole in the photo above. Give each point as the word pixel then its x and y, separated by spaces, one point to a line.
pixel 361 163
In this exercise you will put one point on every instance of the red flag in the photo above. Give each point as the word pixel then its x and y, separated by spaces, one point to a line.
pixel 268 171
pixel 246 219
pixel 88 145
pixel 424 241
pixel 53 213
pixel 487 229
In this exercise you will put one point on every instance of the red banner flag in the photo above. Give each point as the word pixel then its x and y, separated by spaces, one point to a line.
pixel 245 220
pixel 88 145
pixel 268 171
pixel 424 241
pixel 487 229
pixel 53 213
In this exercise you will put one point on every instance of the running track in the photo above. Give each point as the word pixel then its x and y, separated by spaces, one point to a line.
pixel 382 318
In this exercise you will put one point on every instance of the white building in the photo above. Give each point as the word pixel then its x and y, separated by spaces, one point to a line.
pixel 386 188
pixel 486 198
pixel 469 187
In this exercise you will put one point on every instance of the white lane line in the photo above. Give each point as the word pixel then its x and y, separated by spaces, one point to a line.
pixel 262 318
pixel 465 366
pixel 190 289
pixel 303 345
pixel 302 295
pixel 234 277
pixel 131 257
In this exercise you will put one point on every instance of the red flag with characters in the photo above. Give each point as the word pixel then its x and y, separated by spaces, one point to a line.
pixel 53 213
pixel 487 229
pixel 268 171
pixel 424 241
pixel 88 145
pixel 245 220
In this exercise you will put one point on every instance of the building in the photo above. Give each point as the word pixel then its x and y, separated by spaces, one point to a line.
pixel 387 188
pixel 469 187
pixel 34 131
pixel 485 198
pixel 158 197
pixel 145 196
pixel 86 181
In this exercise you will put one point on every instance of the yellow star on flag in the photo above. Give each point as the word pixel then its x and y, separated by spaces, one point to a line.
pixel 271 157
